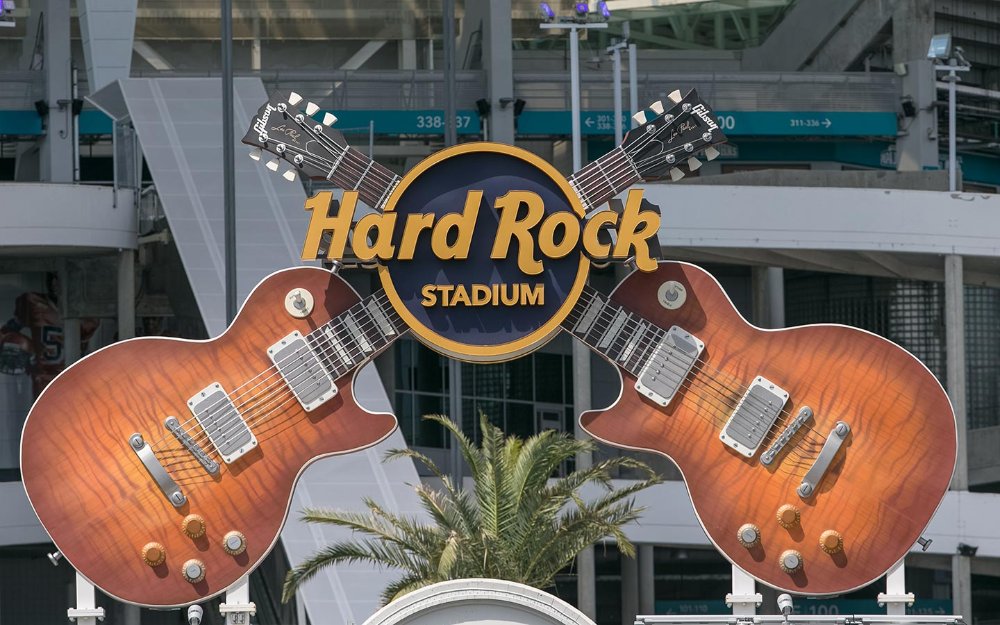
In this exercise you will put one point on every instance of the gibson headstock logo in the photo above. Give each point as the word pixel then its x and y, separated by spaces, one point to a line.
pixel 705 115
pixel 260 125
pixel 483 248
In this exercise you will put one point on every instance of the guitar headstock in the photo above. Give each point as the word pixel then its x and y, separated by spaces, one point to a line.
pixel 672 137
pixel 311 148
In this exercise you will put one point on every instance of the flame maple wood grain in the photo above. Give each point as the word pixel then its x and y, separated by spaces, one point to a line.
pixel 99 504
pixel 885 483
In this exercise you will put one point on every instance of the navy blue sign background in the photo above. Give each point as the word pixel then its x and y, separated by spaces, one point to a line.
pixel 442 189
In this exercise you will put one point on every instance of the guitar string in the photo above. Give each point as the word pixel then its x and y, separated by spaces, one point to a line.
pixel 681 371
pixel 237 398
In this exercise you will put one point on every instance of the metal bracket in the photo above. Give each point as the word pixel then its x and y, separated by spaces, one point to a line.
pixel 75 613
pixel 906 599
pixel 87 613
pixel 744 600
pixel 237 608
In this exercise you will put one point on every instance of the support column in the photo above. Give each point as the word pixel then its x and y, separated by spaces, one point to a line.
pixel 954 332
pixel 586 589
pixel 498 60
pixel 255 46
pixel 56 156
pixel 961 587
pixel 912 29
pixel 126 294
pixel 630 588
pixel 647 580
pixel 768 294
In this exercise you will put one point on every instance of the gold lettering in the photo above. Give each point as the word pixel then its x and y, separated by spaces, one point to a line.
pixel 508 295
pixel 593 246
pixel 481 295
pixel 547 234
pixel 430 298
pixel 321 222
pixel 461 296
pixel 383 224
pixel 445 290
pixel 464 224
pixel 415 224
pixel 510 226
pixel 535 296
pixel 634 229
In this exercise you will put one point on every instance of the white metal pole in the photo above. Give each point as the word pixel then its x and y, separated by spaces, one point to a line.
pixel 616 57
pixel 952 165
pixel 633 83
pixel 574 73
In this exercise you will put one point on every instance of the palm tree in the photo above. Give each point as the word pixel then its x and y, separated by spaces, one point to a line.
pixel 517 524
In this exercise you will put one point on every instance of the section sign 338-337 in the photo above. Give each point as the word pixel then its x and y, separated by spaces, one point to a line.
pixel 483 249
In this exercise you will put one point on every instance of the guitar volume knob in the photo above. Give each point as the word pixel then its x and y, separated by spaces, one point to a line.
pixel 193 571
pixel 790 561
pixel 831 542
pixel 193 526
pixel 154 554
pixel 748 535
pixel 234 543
pixel 788 516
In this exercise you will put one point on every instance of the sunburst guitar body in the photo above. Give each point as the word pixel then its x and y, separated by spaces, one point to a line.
pixel 163 468
pixel 814 456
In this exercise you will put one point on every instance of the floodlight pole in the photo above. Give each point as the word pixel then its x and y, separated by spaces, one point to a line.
pixel 616 65
pixel 228 161
pixel 574 78
pixel 952 78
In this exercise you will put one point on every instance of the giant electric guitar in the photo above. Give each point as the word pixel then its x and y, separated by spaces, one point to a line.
pixel 163 469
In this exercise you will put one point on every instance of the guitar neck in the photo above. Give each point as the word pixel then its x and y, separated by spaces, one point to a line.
pixel 621 336
pixel 352 338
pixel 604 178
pixel 354 171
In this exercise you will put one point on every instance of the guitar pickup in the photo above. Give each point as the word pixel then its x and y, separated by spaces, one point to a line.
pixel 222 422
pixel 669 365
pixel 754 415
pixel 302 371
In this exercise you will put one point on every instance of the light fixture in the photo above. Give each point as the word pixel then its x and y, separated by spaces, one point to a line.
pixel 7 13
pixel 940 48
pixel 518 106
pixel 581 10
pixel 547 13
pixel 483 106
pixel 602 8
pixel 909 108
pixel 967 550
pixel 42 108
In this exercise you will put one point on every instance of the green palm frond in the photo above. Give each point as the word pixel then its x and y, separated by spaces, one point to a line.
pixel 520 522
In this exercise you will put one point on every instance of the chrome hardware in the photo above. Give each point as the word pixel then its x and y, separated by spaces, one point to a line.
pixel 805 413
pixel 299 303
pixel 318 129
pixel 669 365
pixel 54 557
pixel 754 415
pixel 282 107
pixel 686 107
pixel 925 543
pixel 300 118
pixel 826 455
pixel 748 535
pixel 280 148
pixel 302 371
pixel 298 159
pixel 671 295
pixel 670 158
pixel 790 561
pixel 167 485
pixel 689 147
pixel 193 571
pixel 223 424
pixel 234 543
pixel 174 426
pixel 706 137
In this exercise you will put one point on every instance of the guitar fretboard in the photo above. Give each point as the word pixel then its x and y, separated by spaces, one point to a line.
pixel 354 171
pixel 604 178
pixel 622 336
pixel 355 336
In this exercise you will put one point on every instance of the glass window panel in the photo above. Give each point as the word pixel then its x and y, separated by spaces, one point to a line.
pixel 520 419
pixel 549 378
pixel 520 379
pixel 428 433
pixel 404 365
pixel 404 414
pixel 489 381
pixel 430 370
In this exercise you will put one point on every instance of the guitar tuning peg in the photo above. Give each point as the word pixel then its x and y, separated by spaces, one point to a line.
pixel 329 119
pixel 711 153
pixel 255 154
pixel 640 117
pixel 675 96
pixel 289 174
pixel 311 109
pixel 294 98
pixel 693 164
pixel 676 174
pixel 272 165
pixel 657 107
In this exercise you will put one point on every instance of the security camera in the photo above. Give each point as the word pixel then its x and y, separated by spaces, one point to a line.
pixel 194 615
pixel 785 604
